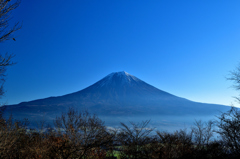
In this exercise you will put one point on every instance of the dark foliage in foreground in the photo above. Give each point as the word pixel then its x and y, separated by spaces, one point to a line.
pixel 81 135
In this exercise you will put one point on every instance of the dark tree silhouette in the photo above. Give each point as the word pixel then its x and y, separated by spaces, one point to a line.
pixel 6 33
pixel 6 7
pixel 229 129
pixel 202 133
pixel 81 134
pixel 173 145
pixel 135 140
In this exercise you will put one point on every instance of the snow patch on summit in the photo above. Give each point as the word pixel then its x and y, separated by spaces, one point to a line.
pixel 124 76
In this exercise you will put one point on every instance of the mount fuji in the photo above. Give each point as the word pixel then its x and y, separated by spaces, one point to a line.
pixel 117 94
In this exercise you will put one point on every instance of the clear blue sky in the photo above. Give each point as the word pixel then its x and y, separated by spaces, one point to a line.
pixel 186 48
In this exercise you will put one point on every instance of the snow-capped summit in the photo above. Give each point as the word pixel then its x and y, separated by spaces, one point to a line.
pixel 121 73
pixel 118 78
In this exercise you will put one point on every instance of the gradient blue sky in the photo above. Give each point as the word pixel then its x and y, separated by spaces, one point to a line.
pixel 186 48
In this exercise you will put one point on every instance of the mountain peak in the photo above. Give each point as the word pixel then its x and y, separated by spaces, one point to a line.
pixel 121 77
pixel 117 78
pixel 121 73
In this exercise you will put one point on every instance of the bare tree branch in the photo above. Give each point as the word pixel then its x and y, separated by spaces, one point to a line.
pixel 6 8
